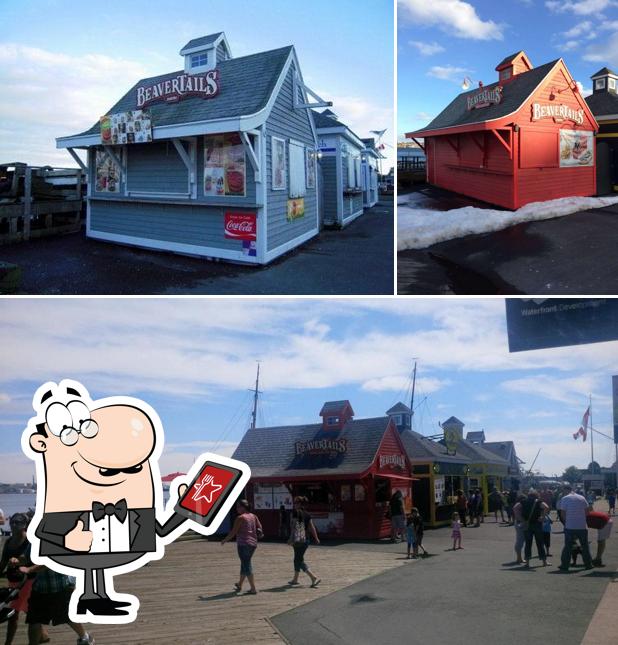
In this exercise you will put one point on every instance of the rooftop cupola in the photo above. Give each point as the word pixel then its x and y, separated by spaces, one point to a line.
pixel 335 414
pixel 454 425
pixel 604 81
pixel 205 53
pixel 401 415
pixel 511 66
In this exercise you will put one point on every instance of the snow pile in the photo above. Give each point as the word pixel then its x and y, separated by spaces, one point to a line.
pixel 418 228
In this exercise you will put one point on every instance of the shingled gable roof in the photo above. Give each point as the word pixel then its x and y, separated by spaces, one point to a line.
pixel 202 41
pixel 422 449
pixel 323 122
pixel 270 452
pixel 504 449
pixel 514 94
pixel 509 59
pixel 604 72
pixel 399 408
pixel 478 454
pixel 333 407
pixel 245 86
pixel 603 103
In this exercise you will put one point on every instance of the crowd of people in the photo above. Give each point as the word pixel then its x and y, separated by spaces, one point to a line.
pixel 34 590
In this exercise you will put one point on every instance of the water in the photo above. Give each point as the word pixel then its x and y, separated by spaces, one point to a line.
pixel 16 503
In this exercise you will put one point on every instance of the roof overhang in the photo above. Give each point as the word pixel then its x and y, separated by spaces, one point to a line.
pixel 345 132
pixel 215 43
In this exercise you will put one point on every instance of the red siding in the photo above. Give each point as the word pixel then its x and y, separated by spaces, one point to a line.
pixel 533 173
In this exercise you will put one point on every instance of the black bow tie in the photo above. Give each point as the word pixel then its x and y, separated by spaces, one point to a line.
pixel 119 509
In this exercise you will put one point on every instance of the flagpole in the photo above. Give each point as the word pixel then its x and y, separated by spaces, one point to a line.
pixel 591 430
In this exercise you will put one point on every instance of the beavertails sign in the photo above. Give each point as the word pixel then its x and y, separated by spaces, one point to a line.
pixel 180 87
pixel 485 98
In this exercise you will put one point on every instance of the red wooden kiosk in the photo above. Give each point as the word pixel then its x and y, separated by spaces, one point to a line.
pixel 348 469
pixel 527 137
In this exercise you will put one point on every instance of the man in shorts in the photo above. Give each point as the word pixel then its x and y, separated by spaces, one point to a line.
pixel 49 603
pixel 602 535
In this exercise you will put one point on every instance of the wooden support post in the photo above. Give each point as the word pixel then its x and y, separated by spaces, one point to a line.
pixel 78 184
pixel 27 202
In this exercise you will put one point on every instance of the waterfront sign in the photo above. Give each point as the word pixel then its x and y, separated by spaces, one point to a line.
pixel 558 113
pixel 484 98
pixel 538 323
pixel 180 87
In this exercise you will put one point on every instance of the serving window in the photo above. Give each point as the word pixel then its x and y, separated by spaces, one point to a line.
pixel 225 166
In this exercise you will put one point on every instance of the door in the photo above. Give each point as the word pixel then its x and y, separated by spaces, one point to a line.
pixel 604 168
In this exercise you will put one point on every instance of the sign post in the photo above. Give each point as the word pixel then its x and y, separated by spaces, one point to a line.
pixel 615 398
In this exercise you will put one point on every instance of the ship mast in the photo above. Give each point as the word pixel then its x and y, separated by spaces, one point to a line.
pixel 256 393
pixel 412 397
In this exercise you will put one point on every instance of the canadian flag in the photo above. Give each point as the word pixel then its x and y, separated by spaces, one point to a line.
pixel 583 429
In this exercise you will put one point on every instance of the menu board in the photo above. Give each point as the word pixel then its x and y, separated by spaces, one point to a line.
pixel 224 165
pixel 278 161
pixel 107 177
pixel 310 160
pixel 133 126
pixel 576 148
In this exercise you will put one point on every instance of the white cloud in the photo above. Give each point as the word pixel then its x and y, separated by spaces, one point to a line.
pixel 448 73
pixel 427 49
pixel 423 116
pixel 47 94
pixel 400 383
pixel 579 7
pixel 604 52
pixel 584 91
pixel 581 29
pixel 455 17
pixel 569 45
pixel 570 391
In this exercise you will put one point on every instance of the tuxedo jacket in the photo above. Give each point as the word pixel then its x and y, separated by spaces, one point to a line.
pixel 143 530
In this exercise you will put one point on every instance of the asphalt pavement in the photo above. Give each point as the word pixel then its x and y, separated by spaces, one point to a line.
pixel 567 255
pixel 356 260
pixel 468 597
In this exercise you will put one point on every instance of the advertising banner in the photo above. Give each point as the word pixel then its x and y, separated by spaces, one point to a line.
pixel 240 226
pixel 576 148
pixel 296 208
pixel 439 489
pixel 134 126
pixel 224 165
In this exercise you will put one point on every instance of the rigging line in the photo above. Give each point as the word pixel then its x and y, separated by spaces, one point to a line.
pixel 233 420
pixel 246 411
pixel 601 433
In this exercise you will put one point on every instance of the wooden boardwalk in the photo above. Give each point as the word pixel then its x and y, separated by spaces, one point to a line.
pixel 187 597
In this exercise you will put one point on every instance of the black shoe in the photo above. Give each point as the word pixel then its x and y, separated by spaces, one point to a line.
pixel 101 607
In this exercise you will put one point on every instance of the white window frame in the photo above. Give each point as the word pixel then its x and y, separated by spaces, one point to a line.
pixel 505 74
pixel 297 170
pixel 197 57
pixel 284 185
pixel 599 84
pixel 611 83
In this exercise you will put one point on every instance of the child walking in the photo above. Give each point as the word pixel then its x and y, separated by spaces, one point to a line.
pixel 456 535
pixel 547 522
pixel 419 528
pixel 411 535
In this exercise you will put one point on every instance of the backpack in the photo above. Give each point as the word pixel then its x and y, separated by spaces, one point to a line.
pixel 299 532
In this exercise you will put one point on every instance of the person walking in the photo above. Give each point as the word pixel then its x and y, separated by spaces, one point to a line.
pixel 15 553
pixel 456 532
pixel 398 518
pixel 547 522
pixel 611 501
pixel 496 504
pixel 49 603
pixel 461 504
pixel 573 509
pixel 301 529
pixel 518 521
pixel 511 498
pixel 411 536
pixel 419 529
pixel 246 529
pixel 604 524
pixel 533 513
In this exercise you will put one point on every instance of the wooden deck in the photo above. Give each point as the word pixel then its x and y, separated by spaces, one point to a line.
pixel 187 597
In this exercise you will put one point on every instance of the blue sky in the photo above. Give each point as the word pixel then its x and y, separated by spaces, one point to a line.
pixel 67 63
pixel 194 361
pixel 442 41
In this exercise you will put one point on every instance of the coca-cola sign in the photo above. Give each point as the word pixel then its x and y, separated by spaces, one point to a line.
pixel 241 226
pixel 180 87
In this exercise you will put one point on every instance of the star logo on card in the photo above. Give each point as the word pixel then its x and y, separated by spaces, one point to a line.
pixel 206 489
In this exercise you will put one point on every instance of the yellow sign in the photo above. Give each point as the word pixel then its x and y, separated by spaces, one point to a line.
pixel 451 440
pixel 296 208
